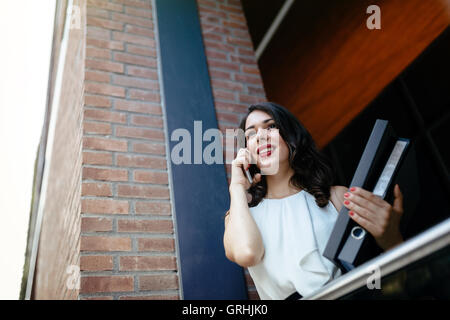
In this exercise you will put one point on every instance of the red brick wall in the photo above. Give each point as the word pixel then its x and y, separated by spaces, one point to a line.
pixel 117 179
pixel 233 68
pixel 56 271
pixel 127 240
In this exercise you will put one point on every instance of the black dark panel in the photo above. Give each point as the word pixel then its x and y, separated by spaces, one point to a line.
pixel 441 137
pixel 417 105
pixel 428 79
pixel 200 191
pixel 259 15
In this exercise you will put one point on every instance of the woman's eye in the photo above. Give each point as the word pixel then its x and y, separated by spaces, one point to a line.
pixel 250 134
pixel 272 126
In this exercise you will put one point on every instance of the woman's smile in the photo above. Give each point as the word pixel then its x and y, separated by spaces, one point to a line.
pixel 265 150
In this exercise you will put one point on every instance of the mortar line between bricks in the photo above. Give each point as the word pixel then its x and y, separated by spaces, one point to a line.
pixel 221 50
pixel 126 234
pixel 140 253
pixel 136 253
pixel 141 184
pixel 102 70
pixel 238 63
pixel 103 152
pixel 147 200
pixel 113 98
pixel 114 226
pixel 117 294
pixel 126 167
pixel 157 129
pixel 114 123
pixel 87 273
pixel 113 110
pixel 235 45
pixel 88 135
pixel 125 50
pixel 128 253
pixel 99 166
pixel 131 293
pixel 129 181
pixel 128 121
pixel 115 265
pixel 153 293
pixel 147 103
pixel 145 156
pixel 133 55
pixel 132 24
pixel 132 207
pixel 135 217
pixel 131 6
pixel 126 86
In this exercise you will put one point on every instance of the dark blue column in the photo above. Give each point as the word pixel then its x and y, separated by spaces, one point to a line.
pixel 200 191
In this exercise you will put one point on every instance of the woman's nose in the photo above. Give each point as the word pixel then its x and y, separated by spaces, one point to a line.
pixel 261 135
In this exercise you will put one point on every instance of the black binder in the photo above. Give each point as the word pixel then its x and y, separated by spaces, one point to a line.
pixel 360 246
pixel 350 245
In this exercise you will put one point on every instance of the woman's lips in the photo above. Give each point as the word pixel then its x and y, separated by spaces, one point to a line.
pixel 265 150
pixel 261 148
pixel 265 154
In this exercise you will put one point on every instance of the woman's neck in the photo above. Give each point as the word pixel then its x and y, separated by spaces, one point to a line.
pixel 278 185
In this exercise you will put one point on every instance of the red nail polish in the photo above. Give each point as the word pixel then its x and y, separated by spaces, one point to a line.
pixel 346 194
pixel 352 189
pixel 346 202
pixel 351 213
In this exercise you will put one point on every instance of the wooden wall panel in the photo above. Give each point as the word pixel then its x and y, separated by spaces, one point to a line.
pixel 326 66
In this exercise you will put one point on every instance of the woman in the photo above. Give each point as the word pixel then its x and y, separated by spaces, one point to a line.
pixel 281 234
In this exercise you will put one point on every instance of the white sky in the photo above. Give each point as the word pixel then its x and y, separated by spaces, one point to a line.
pixel 26 30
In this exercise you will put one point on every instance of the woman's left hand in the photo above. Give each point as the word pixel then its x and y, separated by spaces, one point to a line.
pixel 377 216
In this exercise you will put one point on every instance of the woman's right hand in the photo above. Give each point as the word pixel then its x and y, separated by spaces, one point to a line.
pixel 240 163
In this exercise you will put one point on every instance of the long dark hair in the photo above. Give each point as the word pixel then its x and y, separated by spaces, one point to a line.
pixel 313 171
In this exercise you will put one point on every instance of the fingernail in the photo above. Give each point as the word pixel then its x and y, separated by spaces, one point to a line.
pixel 351 213
pixel 346 194
pixel 352 189
pixel 346 202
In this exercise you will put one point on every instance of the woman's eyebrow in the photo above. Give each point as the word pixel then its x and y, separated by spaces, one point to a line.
pixel 265 121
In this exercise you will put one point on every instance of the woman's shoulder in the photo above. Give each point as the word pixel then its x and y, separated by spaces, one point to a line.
pixel 337 196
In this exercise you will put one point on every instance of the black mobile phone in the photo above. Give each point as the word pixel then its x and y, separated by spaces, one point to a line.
pixel 249 176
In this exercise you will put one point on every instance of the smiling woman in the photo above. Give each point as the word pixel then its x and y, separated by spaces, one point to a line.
pixel 281 233
pixel 305 166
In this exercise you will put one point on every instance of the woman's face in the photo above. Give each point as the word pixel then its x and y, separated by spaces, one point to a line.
pixel 265 142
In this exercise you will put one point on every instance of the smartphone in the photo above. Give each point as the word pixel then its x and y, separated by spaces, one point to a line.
pixel 247 173
pixel 249 176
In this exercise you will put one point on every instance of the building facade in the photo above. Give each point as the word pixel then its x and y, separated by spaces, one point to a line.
pixel 109 208
pixel 118 218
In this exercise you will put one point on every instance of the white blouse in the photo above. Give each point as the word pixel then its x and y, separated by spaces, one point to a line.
pixel 295 231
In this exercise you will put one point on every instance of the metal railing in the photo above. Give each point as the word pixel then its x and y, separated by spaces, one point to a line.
pixel 410 251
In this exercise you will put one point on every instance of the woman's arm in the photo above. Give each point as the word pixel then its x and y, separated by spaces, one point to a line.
pixel 242 239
